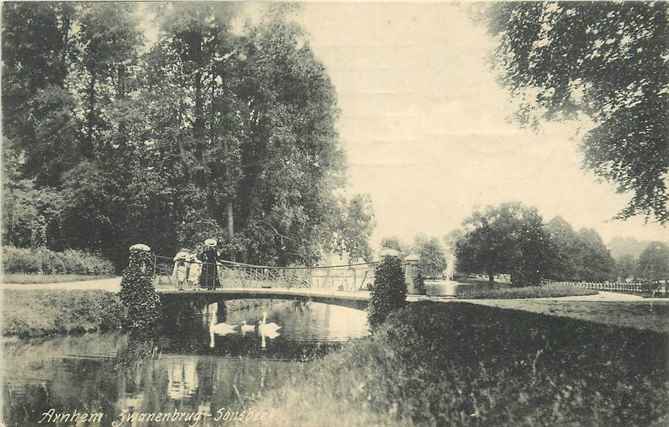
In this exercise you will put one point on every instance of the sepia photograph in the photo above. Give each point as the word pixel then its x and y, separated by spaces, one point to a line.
pixel 334 213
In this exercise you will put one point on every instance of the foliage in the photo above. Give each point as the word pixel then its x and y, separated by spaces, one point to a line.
pixel 34 313
pixel 396 244
pixel 607 60
pixel 138 294
pixel 654 262
pixel 389 291
pixel 506 239
pixel 626 267
pixel 432 260
pixel 462 364
pixel 580 256
pixel 211 131
pixel 546 291
pixel 352 228
pixel 45 261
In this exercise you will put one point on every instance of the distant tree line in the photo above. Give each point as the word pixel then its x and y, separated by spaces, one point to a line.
pixel 220 128
pixel 514 239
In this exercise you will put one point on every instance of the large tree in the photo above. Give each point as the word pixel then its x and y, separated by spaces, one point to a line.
pixel 607 60
pixel 654 262
pixel 509 238
pixel 214 130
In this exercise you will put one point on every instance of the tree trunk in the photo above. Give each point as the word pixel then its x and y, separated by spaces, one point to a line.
pixel 88 148
pixel 491 278
pixel 231 220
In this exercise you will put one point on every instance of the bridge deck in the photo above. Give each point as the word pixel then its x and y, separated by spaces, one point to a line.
pixel 354 299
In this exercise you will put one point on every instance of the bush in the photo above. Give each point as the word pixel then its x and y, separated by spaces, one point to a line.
pixel 389 292
pixel 45 261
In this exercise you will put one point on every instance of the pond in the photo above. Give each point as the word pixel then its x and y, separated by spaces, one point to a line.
pixel 210 362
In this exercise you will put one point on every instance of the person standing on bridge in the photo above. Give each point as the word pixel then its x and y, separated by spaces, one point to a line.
pixel 209 257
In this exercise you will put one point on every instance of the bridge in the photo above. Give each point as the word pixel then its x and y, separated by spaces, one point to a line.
pixel 345 285
pixel 358 300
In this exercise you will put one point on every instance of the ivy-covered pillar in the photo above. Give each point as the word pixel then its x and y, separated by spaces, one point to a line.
pixel 137 292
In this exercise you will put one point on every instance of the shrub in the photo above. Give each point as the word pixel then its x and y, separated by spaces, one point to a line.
pixel 389 292
pixel 45 261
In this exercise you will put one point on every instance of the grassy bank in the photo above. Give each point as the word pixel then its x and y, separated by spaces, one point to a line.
pixel 23 278
pixel 464 364
pixel 37 313
pixel 508 292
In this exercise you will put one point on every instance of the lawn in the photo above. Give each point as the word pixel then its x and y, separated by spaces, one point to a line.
pixel 24 278
pixel 645 315
pixel 462 364
pixel 33 313
pixel 509 292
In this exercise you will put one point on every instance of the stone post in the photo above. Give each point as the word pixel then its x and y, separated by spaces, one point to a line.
pixel 410 273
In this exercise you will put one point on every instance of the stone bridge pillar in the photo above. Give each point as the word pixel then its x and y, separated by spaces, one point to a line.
pixel 410 273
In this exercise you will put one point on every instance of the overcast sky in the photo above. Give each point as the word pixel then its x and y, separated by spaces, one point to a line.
pixel 425 126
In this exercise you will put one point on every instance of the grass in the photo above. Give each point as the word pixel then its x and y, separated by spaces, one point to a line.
pixel 35 313
pixel 508 292
pixel 652 316
pixel 462 364
pixel 24 278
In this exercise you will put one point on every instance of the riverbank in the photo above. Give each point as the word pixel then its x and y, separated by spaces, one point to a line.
pixel 44 312
pixel 30 313
pixel 33 279
pixel 466 364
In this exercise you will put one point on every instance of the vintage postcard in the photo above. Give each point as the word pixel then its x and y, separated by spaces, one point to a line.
pixel 335 213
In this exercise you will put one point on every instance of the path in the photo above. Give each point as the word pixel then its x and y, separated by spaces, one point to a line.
pixel 112 285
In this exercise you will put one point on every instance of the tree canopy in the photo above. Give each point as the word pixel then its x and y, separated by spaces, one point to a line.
pixel 508 238
pixel 607 60
pixel 215 129
pixel 654 262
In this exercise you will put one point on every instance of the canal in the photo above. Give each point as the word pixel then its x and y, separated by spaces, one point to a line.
pixel 209 363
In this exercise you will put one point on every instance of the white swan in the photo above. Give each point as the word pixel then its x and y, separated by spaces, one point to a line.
pixel 222 328
pixel 246 328
pixel 267 329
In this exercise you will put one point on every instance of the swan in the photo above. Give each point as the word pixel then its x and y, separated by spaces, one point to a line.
pixel 246 328
pixel 267 329
pixel 222 328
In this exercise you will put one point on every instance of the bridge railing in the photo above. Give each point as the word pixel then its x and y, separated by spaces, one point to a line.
pixel 351 277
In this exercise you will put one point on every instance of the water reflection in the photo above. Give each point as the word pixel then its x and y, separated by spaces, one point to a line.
pixel 115 374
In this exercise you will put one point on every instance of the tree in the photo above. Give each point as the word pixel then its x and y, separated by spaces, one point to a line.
pixel 606 60
pixel 506 239
pixel 566 263
pixel 396 244
pixel 654 262
pixel 432 260
pixel 352 228
pixel 595 261
pixel 626 267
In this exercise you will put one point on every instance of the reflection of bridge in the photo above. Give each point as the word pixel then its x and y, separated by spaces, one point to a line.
pixel 347 299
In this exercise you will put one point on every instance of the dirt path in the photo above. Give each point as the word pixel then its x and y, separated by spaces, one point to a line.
pixel 112 285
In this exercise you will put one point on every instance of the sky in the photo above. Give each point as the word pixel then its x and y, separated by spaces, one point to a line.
pixel 426 129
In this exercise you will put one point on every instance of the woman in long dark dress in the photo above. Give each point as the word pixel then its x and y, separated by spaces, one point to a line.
pixel 209 275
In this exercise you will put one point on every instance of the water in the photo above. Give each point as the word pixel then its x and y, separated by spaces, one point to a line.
pixel 197 368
